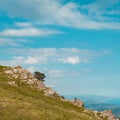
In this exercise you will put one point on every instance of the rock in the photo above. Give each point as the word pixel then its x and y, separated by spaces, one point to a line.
pixel 41 85
pixel 95 113
pixel 65 100
pixel 49 92
pixel 25 76
pixel 12 83
pixel 86 111
pixel 77 102
pixel 8 72
pixel 15 70
pixel 108 114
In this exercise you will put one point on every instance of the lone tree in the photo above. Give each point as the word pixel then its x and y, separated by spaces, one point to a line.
pixel 40 76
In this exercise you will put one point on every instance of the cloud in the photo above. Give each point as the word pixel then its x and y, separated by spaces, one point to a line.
pixel 57 12
pixel 12 42
pixel 96 7
pixel 71 56
pixel 31 60
pixel 23 24
pixel 21 60
pixel 60 73
pixel 101 10
pixel 56 73
pixel 27 32
pixel 55 77
pixel 72 60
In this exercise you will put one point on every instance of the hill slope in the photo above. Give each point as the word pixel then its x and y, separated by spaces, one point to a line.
pixel 24 102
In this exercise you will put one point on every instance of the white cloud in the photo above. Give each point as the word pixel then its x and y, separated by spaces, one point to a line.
pixel 96 7
pixel 60 73
pixel 56 73
pixel 58 76
pixel 23 24
pixel 57 12
pixel 31 60
pixel 11 42
pixel 53 55
pixel 20 60
pixel 14 61
pixel 27 32
pixel 72 60
pixel 101 9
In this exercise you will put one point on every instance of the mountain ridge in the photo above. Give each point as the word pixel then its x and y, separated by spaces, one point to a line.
pixel 20 78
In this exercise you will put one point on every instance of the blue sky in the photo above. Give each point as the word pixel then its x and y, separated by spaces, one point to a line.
pixel 74 42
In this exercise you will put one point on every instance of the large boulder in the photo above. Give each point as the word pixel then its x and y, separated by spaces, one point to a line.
pixel 50 92
pixel 77 102
pixel 109 115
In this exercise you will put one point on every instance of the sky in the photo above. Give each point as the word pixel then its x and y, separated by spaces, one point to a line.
pixel 75 43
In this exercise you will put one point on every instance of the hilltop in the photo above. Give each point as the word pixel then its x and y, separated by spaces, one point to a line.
pixel 23 97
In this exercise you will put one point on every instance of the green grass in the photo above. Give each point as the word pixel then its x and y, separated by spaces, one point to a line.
pixel 24 102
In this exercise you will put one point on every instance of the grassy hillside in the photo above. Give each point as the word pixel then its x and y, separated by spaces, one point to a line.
pixel 24 102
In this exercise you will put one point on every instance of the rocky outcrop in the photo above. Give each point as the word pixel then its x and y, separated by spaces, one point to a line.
pixel 25 76
pixel 77 102
pixel 108 114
